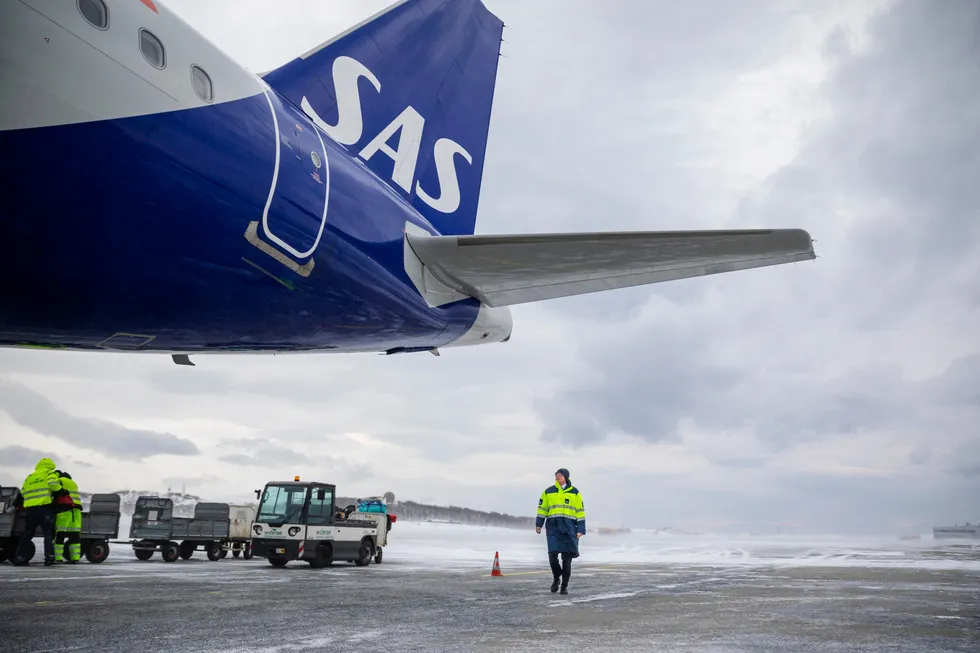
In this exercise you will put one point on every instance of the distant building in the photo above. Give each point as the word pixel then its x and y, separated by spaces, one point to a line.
pixel 965 531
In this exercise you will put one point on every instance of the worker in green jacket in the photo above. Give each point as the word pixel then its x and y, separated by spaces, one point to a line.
pixel 38 492
pixel 68 521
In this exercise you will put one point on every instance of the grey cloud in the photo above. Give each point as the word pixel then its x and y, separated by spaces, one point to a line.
pixel 959 384
pixel 966 459
pixel 273 454
pixel 920 456
pixel 242 459
pixel 643 387
pixel 259 452
pixel 30 409
pixel 18 456
pixel 899 156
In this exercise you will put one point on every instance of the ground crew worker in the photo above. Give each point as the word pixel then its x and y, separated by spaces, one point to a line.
pixel 562 513
pixel 68 521
pixel 37 493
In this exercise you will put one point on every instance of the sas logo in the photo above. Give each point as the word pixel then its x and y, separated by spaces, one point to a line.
pixel 350 128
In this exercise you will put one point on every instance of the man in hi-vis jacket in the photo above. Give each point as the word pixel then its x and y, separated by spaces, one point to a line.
pixel 562 513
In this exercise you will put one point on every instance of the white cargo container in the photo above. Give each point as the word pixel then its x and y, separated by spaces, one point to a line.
pixel 240 532
pixel 242 518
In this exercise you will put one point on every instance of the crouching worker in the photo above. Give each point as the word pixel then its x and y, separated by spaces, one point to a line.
pixel 562 513
pixel 68 521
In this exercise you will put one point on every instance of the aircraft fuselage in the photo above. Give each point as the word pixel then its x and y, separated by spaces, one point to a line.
pixel 139 216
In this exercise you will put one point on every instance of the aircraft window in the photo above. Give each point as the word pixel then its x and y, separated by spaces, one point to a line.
pixel 152 50
pixel 95 12
pixel 202 84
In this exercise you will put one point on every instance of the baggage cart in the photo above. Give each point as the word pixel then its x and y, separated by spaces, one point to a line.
pixel 99 525
pixel 154 528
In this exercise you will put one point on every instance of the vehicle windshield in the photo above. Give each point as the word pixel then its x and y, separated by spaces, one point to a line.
pixel 282 504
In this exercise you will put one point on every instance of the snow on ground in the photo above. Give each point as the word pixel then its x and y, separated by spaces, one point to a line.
pixel 444 546
pixel 441 545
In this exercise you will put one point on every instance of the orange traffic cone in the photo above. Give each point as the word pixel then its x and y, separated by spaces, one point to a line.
pixel 496 565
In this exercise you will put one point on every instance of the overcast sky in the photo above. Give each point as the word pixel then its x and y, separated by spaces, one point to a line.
pixel 841 395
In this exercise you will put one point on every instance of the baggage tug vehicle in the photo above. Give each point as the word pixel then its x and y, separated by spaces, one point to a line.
pixel 298 521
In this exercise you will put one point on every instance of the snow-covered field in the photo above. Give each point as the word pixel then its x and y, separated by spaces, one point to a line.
pixel 429 545
pixel 433 545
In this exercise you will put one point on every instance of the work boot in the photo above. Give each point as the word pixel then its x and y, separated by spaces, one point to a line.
pixel 554 586
pixel 48 561
pixel 564 590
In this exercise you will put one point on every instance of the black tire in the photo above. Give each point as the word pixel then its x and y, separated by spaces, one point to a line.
pixel 365 553
pixel 247 552
pixel 143 554
pixel 278 562
pixel 214 551
pixel 187 550
pixel 8 550
pixel 322 557
pixel 29 552
pixel 378 556
pixel 170 552
pixel 224 553
pixel 97 552
pixel 236 553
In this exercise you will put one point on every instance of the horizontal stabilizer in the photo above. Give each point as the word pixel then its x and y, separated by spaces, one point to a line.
pixel 515 269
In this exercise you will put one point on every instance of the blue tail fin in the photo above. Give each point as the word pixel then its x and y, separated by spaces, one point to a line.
pixel 410 92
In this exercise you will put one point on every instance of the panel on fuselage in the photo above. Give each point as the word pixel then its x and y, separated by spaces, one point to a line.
pixel 296 211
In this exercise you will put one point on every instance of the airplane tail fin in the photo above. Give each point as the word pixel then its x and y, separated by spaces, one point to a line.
pixel 410 92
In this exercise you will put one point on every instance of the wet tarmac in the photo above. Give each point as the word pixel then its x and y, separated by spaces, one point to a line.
pixel 248 606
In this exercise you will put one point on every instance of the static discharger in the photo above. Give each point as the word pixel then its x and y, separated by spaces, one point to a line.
pixel 496 564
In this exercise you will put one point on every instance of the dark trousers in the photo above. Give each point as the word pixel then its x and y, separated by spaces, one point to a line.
pixel 37 516
pixel 564 570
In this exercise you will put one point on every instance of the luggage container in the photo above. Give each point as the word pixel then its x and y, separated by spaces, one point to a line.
pixel 155 528
pixel 9 536
pixel 240 535
pixel 99 524
pixel 375 509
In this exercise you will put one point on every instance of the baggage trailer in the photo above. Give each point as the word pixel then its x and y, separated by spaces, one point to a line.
pixel 154 528
pixel 298 521
pixel 99 525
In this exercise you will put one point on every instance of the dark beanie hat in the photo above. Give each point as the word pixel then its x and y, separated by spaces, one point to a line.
pixel 563 472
